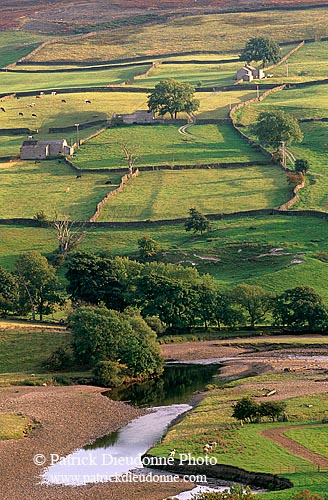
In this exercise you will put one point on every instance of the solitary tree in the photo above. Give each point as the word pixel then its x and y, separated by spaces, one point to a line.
pixel 274 127
pixel 172 97
pixel 197 222
pixel 148 247
pixel 261 49
pixel 130 155
pixel 69 234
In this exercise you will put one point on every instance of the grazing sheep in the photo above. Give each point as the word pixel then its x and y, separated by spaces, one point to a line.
pixel 78 177
pixel 68 189
pixel 53 93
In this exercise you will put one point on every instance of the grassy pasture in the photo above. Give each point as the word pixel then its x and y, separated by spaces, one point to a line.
pixel 150 195
pixel 14 45
pixel 243 447
pixel 314 438
pixel 303 103
pixel 199 75
pixel 27 188
pixel 163 144
pixel 308 63
pixel 190 33
pixel 304 236
pixel 12 426
pixel 52 112
pixel 15 81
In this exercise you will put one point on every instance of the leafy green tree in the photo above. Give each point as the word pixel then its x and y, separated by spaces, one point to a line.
pixel 255 301
pixel 148 247
pixel 274 127
pixel 272 409
pixel 8 292
pixel 140 351
pixel 96 279
pixel 197 222
pixel 225 312
pixel 301 307
pixel 39 287
pixel 261 49
pixel 108 373
pixel 172 97
pixel 205 294
pixel 97 333
pixel 100 334
pixel 246 410
pixel 301 166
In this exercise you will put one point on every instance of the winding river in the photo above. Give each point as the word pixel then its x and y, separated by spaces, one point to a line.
pixel 120 452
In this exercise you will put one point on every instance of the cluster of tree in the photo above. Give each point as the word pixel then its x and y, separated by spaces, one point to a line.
pixel 180 298
pixel 172 296
pixel 249 411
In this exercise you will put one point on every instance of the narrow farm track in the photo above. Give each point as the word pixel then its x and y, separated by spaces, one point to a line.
pixel 277 435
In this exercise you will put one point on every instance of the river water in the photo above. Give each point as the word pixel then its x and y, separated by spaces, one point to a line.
pixel 119 453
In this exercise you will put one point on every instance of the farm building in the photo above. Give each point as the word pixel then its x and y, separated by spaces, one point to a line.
pixel 247 73
pixel 139 116
pixel 40 150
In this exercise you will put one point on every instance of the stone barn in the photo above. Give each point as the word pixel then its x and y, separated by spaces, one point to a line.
pixel 248 73
pixel 41 150
pixel 139 116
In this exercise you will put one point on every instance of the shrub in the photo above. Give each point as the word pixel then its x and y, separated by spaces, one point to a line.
pixel 155 324
pixel 108 373
pixel 60 359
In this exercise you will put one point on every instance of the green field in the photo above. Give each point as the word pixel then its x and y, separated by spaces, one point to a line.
pixel 50 186
pixel 302 238
pixel 314 438
pixel 151 195
pixel 13 426
pixel 164 145
pixel 15 81
pixel 308 63
pixel 190 33
pixel 303 103
pixel 14 45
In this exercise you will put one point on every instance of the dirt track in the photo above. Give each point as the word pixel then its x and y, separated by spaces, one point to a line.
pixel 277 435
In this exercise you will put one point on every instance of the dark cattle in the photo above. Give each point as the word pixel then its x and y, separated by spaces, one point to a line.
pixel 33 114
pixel 63 100
pixel 3 109
pixel 37 97
pixel 108 182
pixel 36 161
pixel 20 114
pixel 78 176
pixel 87 101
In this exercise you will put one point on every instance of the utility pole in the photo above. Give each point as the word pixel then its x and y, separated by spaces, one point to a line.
pixel 283 148
pixel 77 135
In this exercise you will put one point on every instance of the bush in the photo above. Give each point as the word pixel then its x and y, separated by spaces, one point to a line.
pixel 108 373
pixel 60 359
pixel 155 324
